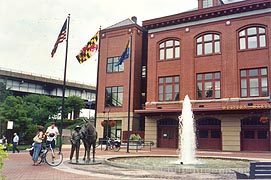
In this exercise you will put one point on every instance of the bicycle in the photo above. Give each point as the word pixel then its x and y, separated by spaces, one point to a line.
pixel 113 144
pixel 49 156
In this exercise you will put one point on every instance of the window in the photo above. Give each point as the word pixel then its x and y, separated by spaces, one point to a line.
pixel 215 134
pixel 208 85
pixel 110 66
pixel 203 133
pixel 169 49
pixel 254 82
pixel 252 37
pixel 144 72
pixel 207 3
pixel 262 134
pixel 169 88
pixel 114 96
pixel 249 135
pixel 208 44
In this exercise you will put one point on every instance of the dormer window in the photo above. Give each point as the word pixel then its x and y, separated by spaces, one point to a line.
pixel 207 3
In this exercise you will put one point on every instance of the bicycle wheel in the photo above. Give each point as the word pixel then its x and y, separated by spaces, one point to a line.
pixel 116 148
pixel 41 158
pixel 53 158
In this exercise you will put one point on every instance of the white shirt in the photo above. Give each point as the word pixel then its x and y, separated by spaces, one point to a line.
pixel 51 130
pixel 16 139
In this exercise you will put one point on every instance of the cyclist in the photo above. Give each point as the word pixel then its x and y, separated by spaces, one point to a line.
pixel 51 134
pixel 37 146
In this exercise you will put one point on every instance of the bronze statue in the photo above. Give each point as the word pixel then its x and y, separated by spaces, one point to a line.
pixel 75 141
pixel 88 134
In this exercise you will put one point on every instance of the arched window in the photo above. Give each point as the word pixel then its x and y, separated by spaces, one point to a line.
pixel 208 44
pixel 252 38
pixel 208 122
pixel 169 49
pixel 253 121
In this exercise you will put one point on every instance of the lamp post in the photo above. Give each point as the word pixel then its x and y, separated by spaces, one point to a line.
pixel 107 126
pixel 270 108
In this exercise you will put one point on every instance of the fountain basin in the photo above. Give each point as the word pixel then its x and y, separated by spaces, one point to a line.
pixel 172 164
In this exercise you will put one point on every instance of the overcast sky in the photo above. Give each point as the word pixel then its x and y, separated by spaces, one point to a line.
pixel 29 29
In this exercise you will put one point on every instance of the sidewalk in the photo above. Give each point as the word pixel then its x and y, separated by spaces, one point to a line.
pixel 19 166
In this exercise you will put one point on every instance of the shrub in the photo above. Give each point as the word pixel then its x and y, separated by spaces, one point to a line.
pixel 3 155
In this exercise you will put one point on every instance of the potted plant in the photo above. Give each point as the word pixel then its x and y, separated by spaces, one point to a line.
pixel 263 120
pixel 112 123
pixel 103 123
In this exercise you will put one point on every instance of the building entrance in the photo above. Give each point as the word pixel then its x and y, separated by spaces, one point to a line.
pixel 255 134
pixel 167 133
pixel 209 134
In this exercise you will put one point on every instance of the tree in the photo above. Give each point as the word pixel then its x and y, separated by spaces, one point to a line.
pixel 42 108
pixel 4 92
pixel 12 109
pixel 30 111
pixel 75 104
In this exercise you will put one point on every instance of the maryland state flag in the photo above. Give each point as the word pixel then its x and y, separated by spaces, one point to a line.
pixel 87 51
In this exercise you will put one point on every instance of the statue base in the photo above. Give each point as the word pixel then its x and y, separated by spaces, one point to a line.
pixel 82 162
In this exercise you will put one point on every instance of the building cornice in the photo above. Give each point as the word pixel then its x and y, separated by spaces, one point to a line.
pixel 207 13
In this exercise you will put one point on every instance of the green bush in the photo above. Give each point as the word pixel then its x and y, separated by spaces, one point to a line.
pixel 3 155
pixel 20 147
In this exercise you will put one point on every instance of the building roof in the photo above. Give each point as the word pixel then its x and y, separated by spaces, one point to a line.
pixel 125 22
pixel 231 1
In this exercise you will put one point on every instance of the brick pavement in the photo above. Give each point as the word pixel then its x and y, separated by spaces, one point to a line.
pixel 19 167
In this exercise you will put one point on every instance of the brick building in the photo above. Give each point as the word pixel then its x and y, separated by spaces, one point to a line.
pixel 219 55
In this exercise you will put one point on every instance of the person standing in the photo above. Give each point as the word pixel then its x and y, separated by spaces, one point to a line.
pixel 75 141
pixel 38 145
pixel 4 140
pixel 51 134
pixel 15 143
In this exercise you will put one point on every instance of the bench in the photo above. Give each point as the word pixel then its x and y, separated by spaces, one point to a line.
pixel 257 170
pixel 137 145
pixel 133 145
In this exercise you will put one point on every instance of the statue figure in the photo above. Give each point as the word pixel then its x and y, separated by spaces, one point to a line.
pixel 88 134
pixel 75 141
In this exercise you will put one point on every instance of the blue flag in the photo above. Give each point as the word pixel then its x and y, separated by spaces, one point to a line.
pixel 124 55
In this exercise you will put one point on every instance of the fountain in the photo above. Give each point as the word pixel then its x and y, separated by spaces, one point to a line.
pixel 187 138
pixel 186 153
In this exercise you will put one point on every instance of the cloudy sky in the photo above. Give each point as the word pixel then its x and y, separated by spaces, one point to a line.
pixel 29 28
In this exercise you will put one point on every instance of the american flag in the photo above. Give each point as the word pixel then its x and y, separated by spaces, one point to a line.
pixel 61 37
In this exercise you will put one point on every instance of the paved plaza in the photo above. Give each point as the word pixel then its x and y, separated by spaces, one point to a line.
pixel 18 166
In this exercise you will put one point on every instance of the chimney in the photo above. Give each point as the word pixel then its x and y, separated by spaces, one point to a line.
pixel 134 19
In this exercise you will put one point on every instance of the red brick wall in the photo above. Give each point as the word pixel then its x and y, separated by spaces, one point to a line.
pixel 229 62
pixel 112 44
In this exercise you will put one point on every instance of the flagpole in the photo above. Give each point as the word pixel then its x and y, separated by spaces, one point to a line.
pixel 97 79
pixel 129 95
pixel 64 85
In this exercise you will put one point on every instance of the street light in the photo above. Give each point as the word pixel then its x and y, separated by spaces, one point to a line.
pixel 107 126
pixel 270 108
